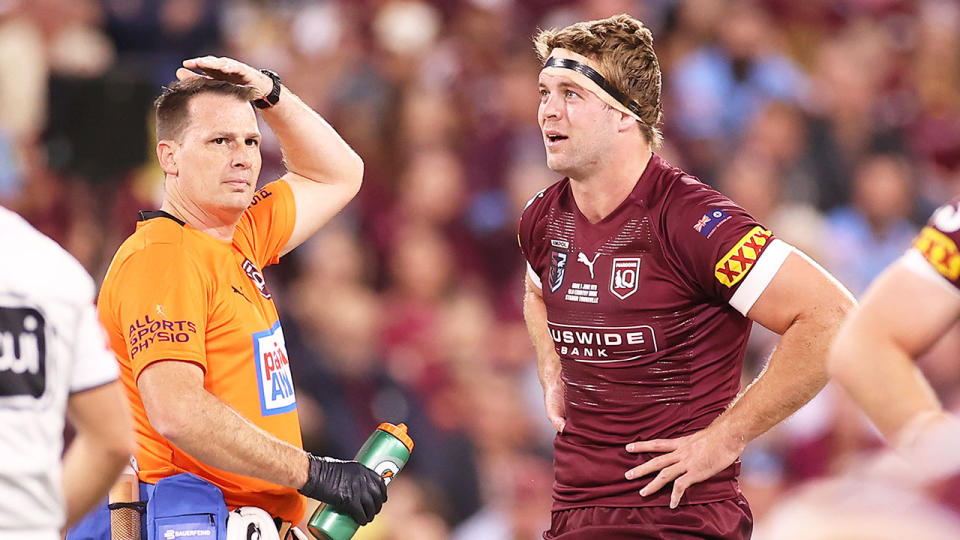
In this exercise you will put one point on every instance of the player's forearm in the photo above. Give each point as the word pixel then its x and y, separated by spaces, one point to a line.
pixel 311 147
pixel 881 377
pixel 90 467
pixel 535 315
pixel 795 373
pixel 209 430
pixel 101 448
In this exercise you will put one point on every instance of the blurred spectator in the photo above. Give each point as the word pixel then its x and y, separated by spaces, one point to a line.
pixel 719 87
pixel 874 230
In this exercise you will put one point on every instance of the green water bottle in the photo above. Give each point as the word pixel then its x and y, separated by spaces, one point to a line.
pixel 386 452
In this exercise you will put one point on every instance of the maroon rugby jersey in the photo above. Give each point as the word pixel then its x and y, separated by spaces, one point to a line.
pixel 937 243
pixel 639 308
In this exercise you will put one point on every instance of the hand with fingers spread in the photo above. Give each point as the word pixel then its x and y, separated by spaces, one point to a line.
pixel 226 69
pixel 685 460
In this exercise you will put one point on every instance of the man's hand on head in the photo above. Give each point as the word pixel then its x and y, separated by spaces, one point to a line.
pixel 226 69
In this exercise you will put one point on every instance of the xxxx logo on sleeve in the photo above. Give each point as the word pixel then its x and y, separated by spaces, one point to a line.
pixel 940 251
pixel 742 256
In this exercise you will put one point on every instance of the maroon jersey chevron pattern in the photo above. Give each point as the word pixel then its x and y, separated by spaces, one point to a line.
pixel 649 346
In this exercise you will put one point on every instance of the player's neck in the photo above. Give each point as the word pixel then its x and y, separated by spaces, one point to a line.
pixel 218 227
pixel 601 191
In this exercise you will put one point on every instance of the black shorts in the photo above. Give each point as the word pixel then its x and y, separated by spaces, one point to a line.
pixel 723 520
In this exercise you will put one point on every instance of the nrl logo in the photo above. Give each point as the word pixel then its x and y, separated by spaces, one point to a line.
pixel 558 267
pixel 625 277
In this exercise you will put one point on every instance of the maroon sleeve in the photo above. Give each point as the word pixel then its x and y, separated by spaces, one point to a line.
pixel 714 241
pixel 937 242
pixel 529 234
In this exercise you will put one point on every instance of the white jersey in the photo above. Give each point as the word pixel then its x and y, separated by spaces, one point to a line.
pixel 51 345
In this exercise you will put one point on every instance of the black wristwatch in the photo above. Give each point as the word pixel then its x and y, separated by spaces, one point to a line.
pixel 273 97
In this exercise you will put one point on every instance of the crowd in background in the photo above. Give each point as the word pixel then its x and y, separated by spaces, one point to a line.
pixel 834 122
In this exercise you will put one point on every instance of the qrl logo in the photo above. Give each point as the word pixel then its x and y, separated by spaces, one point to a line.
pixel 387 470
pixel 625 277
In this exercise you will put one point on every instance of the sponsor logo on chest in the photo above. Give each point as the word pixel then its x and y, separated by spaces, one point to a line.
pixel 273 372
pixel 602 344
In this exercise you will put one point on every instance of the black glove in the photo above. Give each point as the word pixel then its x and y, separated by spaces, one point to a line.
pixel 348 486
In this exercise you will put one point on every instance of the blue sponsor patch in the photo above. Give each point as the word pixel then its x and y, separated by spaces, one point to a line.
pixel 273 372
pixel 710 221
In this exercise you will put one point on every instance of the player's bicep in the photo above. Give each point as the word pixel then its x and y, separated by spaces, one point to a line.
pixel 907 308
pixel 167 389
pixel 798 288
pixel 316 203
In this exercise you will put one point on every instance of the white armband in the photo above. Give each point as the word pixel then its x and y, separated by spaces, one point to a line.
pixel 760 275
pixel 534 277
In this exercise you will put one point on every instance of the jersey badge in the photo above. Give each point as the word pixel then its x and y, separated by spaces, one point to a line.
pixel 273 372
pixel 558 267
pixel 625 276
pixel 742 256
pixel 256 276
pixel 710 221
pixel 940 251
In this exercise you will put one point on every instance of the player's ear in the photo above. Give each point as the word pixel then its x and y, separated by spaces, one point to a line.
pixel 627 122
pixel 166 155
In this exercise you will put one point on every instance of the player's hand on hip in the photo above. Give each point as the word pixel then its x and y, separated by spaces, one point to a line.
pixel 553 399
pixel 684 461
pixel 226 69
pixel 349 486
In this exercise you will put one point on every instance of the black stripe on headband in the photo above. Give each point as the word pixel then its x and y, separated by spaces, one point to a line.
pixel 592 74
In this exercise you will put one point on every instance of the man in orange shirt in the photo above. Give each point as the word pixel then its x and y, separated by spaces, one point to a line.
pixel 187 310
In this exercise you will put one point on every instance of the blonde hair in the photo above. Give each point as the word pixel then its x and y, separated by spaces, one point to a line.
pixel 622 48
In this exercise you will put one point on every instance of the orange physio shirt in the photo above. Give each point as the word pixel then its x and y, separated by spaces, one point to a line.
pixel 175 293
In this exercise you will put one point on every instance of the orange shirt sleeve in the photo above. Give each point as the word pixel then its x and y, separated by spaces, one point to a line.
pixel 161 307
pixel 266 226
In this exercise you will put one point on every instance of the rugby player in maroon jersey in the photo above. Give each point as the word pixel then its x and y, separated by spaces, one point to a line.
pixel 641 288
pixel 905 311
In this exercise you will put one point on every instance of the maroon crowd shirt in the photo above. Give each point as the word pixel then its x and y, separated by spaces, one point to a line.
pixel 646 309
